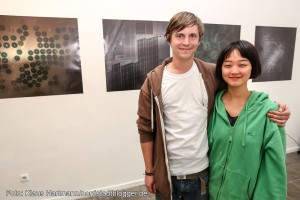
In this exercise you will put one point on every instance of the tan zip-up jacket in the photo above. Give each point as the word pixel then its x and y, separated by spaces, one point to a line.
pixel 150 119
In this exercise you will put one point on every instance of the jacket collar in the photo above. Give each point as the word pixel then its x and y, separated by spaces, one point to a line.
pixel 156 74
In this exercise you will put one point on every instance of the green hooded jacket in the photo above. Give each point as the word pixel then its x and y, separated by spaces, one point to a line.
pixel 247 160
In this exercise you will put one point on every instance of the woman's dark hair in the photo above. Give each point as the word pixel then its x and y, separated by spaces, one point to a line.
pixel 247 50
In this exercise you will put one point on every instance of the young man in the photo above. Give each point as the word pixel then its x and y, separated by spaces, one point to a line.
pixel 175 102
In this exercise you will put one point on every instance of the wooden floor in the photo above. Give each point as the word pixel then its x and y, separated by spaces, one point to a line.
pixel 293 172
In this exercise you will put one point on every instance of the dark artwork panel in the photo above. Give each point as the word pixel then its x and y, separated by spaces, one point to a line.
pixel 275 46
pixel 215 38
pixel 39 56
pixel 132 49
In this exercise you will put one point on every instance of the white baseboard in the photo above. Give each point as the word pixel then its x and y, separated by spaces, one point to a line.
pixel 124 185
pixel 291 150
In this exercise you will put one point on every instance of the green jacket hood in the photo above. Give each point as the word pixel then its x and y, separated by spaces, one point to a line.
pixel 255 101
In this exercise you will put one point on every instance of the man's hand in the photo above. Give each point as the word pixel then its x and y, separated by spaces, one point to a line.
pixel 281 116
pixel 150 184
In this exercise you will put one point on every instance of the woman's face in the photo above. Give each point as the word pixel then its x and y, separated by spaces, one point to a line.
pixel 236 70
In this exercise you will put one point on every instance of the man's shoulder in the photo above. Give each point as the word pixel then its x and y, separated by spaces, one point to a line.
pixel 157 71
pixel 204 63
pixel 205 67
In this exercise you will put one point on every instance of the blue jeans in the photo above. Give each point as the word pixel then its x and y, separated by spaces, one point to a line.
pixel 189 189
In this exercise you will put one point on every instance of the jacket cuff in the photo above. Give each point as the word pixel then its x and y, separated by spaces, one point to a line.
pixel 146 137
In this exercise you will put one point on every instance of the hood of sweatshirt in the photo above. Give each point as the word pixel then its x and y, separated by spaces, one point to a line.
pixel 155 77
pixel 256 101
pixel 153 86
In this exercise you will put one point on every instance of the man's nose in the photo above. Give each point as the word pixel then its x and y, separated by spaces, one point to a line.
pixel 186 41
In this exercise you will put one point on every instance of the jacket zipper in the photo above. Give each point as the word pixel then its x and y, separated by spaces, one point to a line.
pixel 165 147
pixel 230 138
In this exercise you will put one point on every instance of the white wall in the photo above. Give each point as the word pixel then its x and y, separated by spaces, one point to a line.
pixel 89 141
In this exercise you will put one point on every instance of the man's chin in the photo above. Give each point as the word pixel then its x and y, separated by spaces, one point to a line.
pixel 187 56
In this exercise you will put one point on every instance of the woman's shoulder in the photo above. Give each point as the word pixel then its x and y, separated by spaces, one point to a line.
pixel 259 98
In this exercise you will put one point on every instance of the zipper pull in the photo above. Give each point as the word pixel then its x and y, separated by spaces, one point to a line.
pixel 230 135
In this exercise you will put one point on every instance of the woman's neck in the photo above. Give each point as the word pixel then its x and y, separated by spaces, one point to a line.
pixel 234 100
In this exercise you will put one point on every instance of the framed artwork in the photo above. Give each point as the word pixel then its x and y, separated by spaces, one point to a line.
pixel 275 46
pixel 39 56
pixel 215 38
pixel 132 49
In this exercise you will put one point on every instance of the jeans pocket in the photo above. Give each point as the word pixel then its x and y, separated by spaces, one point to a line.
pixel 204 180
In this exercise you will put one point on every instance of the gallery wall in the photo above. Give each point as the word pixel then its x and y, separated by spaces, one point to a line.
pixel 89 140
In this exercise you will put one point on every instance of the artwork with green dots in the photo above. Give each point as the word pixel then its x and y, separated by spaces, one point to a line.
pixel 39 56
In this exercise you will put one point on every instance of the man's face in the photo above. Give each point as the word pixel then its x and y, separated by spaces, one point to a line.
pixel 185 43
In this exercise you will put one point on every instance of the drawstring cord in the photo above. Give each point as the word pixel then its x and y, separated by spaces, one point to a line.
pixel 245 126
pixel 152 121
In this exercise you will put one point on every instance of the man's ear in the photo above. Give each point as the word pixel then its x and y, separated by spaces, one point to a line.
pixel 167 36
pixel 200 37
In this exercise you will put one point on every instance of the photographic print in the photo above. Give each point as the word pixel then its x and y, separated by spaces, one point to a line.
pixel 132 49
pixel 39 56
pixel 275 46
pixel 215 38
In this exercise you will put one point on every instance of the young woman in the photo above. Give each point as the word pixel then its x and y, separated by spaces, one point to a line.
pixel 246 149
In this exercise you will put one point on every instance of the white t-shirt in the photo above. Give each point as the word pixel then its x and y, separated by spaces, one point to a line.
pixel 185 118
